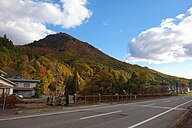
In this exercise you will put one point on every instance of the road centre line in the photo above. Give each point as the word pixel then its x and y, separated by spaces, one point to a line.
pixel 55 113
pixel 64 112
pixel 150 104
pixel 77 110
pixel 167 101
pixel 104 114
pixel 154 117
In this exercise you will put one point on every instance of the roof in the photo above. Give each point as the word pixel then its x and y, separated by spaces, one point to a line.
pixel 5 83
pixel 5 86
pixel 23 80
pixel 2 73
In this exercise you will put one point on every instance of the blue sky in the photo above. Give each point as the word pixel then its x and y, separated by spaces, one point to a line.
pixel 144 32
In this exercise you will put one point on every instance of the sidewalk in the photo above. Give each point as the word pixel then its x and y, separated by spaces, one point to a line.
pixel 8 112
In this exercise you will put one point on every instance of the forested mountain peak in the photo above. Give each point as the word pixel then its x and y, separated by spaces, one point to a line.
pixel 54 41
pixel 78 62
pixel 63 45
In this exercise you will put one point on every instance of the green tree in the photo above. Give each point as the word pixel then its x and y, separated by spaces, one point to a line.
pixel 38 91
pixel 101 83
pixel 137 82
pixel 52 87
pixel 73 83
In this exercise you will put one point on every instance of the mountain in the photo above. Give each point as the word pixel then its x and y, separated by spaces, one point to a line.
pixel 80 64
pixel 65 47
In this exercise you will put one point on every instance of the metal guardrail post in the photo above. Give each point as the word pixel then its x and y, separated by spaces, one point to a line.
pixel 75 99
pixel 99 98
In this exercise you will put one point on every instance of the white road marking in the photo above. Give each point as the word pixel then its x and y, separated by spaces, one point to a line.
pixel 71 111
pixel 147 120
pixel 165 107
pixel 160 107
pixel 104 114
pixel 149 104
pixel 56 113
pixel 167 101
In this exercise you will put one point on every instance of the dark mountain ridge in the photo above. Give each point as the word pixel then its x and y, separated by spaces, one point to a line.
pixel 62 42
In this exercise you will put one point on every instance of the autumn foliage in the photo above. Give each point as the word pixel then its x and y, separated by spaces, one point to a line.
pixel 83 69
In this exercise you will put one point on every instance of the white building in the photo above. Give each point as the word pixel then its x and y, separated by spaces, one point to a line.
pixel 24 87
pixel 6 86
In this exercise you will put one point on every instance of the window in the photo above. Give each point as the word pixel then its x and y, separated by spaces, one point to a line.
pixel 27 85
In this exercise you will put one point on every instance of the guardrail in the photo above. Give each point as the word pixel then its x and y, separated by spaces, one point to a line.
pixel 115 98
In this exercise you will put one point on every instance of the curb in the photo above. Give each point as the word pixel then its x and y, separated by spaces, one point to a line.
pixel 182 119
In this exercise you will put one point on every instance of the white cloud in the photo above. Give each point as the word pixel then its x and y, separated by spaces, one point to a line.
pixel 180 16
pixel 190 10
pixel 167 43
pixel 25 20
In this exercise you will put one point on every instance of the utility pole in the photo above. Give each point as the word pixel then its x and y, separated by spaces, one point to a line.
pixel 177 91
pixel 57 72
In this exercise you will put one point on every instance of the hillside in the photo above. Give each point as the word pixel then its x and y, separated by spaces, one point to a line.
pixel 79 64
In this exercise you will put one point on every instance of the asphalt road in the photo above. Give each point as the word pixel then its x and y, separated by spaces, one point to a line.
pixel 159 113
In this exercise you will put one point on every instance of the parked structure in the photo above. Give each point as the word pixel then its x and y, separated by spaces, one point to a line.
pixel 24 87
pixel 6 86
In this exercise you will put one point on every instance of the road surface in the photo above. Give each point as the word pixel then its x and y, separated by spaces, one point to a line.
pixel 159 113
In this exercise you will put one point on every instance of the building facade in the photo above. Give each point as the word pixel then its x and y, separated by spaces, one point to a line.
pixel 6 86
pixel 24 87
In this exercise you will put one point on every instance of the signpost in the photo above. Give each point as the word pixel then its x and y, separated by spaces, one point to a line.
pixel 4 98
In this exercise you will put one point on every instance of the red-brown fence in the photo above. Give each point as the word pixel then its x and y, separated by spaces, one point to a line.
pixel 116 98
pixel 11 100
pixel 8 101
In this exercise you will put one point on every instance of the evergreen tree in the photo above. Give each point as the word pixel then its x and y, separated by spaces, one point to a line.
pixel 75 82
pixel 137 82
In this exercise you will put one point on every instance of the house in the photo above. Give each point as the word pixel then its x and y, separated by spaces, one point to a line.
pixel 175 89
pixel 6 86
pixel 24 87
